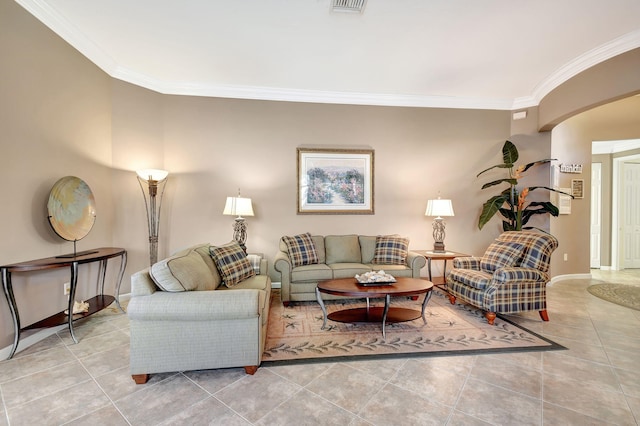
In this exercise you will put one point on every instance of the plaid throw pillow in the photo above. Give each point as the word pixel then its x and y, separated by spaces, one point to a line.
pixel 232 263
pixel 501 254
pixel 391 250
pixel 301 249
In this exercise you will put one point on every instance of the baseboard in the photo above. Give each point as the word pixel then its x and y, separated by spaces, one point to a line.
pixel 31 340
pixel 276 284
pixel 569 277
pixel 43 333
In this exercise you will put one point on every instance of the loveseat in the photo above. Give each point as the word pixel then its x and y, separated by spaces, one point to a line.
pixel 303 260
pixel 201 308
pixel 510 277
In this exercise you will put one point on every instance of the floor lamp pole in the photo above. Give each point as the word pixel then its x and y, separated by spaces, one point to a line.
pixel 154 181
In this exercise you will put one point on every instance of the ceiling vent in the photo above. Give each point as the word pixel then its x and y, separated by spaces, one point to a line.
pixel 348 5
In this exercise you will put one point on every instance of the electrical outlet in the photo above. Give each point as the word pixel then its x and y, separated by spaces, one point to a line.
pixel 66 288
pixel 566 257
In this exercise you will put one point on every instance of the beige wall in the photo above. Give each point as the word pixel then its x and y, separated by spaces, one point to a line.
pixel 55 121
pixel 572 141
pixel 61 115
pixel 215 146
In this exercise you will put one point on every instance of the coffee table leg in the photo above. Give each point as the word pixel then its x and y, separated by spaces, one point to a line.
pixel 387 302
pixel 427 297
pixel 324 310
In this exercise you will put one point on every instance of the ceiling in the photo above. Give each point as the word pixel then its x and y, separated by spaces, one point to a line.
pixel 489 54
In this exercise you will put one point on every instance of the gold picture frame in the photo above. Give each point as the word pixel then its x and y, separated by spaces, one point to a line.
pixel 335 181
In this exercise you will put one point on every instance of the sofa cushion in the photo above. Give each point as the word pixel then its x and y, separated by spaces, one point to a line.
pixel 315 272
pixel 500 254
pixel 205 253
pixel 184 271
pixel 301 249
pixel 348 270
pixel 367 247
pixel 342 249
pixel 391 250
pixel 475 279
pixel 232 263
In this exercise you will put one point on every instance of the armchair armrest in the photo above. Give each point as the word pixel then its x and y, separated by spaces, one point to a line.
pixel 469 262
pixel 518 274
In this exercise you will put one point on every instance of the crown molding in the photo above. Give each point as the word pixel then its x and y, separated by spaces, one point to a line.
pixel 614 147
pixel 65 29
pixel 585 61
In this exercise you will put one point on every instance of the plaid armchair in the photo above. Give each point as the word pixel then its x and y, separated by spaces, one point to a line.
pixel 510 277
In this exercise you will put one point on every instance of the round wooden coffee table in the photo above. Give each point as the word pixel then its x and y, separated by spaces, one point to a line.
pixel 349 287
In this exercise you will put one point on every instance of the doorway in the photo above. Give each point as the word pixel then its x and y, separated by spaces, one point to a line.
pixel 618 217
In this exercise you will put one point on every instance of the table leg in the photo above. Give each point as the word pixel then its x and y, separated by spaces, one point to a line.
pixel 72 297
pixel 427 297
pixel 429 268
pixel 123 264
pixel 324 310
pixel 11 301
pixel 387 302
pixel 102 272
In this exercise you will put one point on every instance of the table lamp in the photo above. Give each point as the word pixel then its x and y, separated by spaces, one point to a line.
pixel 241 207
pixel 438 208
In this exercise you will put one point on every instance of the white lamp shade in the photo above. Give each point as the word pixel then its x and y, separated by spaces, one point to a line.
pixel 238 206
pixel 152 174
pixel 439 208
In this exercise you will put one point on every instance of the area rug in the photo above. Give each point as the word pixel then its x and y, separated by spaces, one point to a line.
pixel 620 294
pixel 295 334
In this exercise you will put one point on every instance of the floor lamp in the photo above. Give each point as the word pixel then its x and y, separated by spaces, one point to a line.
pixel 153 180
pixel 238 206
pixel 438 208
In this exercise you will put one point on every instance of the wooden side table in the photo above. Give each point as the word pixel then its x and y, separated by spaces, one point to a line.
pixel 435 255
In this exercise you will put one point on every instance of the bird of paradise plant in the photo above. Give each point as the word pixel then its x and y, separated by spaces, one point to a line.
pixel 512 202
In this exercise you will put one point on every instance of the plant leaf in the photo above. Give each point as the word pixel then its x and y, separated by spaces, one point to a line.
pixel 509 153
pixel 501 166
pixel 489 209
pixel 547 160
pixel 537 207
pixel 499 181
pixel 506 226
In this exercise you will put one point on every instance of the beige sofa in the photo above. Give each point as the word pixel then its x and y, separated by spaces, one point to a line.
pixel 183 316
pixel 338 256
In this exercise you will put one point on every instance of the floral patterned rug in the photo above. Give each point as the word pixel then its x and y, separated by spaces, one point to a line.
pixel 295 332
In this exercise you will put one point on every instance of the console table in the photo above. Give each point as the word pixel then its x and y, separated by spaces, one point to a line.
pixel 96 303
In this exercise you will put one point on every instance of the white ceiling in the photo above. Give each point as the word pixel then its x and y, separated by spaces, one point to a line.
pixel 492 54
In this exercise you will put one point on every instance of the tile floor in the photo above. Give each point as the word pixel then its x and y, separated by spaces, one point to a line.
pixel 596 381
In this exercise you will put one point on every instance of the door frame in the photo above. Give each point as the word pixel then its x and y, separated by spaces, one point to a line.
pixel 617 221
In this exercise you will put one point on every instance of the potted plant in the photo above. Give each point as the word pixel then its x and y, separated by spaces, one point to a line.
pixel 512 203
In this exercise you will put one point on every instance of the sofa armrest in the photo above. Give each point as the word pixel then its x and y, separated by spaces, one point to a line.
pixel 264 267
pixel 195 305
pixel 282 263
pixel 416 262
pixel 469 262
pixel 142 284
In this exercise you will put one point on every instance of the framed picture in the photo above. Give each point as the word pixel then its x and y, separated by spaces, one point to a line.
pixel 335 181
pixel 577 188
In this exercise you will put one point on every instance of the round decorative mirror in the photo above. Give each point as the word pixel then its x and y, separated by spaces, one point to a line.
pixel 72 208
